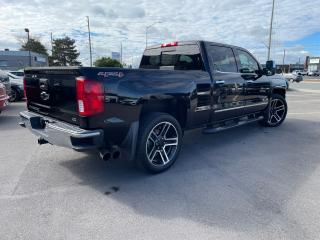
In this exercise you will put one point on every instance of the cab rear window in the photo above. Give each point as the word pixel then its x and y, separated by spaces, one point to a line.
pixel 184 57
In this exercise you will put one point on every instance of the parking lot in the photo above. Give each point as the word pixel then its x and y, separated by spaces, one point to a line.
pixel 245 183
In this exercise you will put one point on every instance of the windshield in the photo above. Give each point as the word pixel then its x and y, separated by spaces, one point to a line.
pixel 184 57
pixel 19 74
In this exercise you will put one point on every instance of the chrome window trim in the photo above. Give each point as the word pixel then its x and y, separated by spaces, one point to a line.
pixel 245 106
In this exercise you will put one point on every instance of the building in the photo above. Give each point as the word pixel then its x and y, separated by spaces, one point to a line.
pixel 115 56
pixel 287 68
pixel 15 60
pixel 313 63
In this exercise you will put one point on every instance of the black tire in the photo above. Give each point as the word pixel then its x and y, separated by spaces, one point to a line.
pixel 14 95
pixel 151 151
pixel 276 112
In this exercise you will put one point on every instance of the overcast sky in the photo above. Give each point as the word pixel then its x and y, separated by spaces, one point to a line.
pixel 237 22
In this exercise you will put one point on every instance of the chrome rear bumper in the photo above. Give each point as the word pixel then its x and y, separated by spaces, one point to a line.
pixel 60 133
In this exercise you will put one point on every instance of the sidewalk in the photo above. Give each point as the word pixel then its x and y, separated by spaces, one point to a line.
pixel 311 80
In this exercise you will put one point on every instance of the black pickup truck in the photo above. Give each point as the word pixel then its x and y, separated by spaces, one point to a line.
pixel 141 114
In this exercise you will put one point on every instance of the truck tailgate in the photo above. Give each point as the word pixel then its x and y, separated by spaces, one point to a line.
pixel 52 92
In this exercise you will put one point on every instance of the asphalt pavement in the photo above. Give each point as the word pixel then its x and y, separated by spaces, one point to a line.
pixel 244 183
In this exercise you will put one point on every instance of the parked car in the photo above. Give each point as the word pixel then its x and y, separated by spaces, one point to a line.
pixel 300 72
pixel 4 79
pixel 304 72
pixel 16 80
pixel 314 73
pixel 281 78
pixel 141 114
pixel 3 97
pixel 292 77
pixel 16 76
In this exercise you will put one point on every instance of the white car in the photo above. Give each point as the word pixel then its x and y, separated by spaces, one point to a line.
pixel 16 81
pixel 16 76
pixel 300 72
pixel 293 77
pixel 314 73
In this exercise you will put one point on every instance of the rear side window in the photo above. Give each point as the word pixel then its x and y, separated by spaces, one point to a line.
pixel 246 62
pixel 184 57
pixel 222 59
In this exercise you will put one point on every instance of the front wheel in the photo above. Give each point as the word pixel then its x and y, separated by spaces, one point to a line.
pixel 276 113
pixel 160 140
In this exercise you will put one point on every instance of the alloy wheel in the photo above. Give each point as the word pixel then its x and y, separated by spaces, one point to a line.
pixel 13 96
pixel 276 112
pixel 162 144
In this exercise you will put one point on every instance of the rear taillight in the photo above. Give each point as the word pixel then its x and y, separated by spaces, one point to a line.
pixel 24 87
pixel 90 97
pixel 171 44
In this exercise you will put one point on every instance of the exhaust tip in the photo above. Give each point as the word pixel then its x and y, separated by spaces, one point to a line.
pixel 105 155
pixel 116 154
pixel 22 124
pixel 42 141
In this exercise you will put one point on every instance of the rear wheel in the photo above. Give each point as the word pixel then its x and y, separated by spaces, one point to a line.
pixel 160 139
pixel 14 95
pixel 276 113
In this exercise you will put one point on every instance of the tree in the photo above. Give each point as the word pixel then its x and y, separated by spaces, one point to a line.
pixel 34 45
pixel 107 62
pixel 64 52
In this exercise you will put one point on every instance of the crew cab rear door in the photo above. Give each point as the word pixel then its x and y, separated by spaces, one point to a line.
pixel 228 98
pixel 185 59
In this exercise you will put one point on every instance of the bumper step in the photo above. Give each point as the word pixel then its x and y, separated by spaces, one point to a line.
pixel 59 133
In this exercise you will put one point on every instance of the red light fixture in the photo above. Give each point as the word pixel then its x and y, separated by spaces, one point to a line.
pixel 170 44
pixel 90 97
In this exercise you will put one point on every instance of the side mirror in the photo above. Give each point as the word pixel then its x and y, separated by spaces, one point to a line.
pixel 270 68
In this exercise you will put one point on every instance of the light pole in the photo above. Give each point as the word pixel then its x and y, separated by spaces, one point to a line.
pixel 121 52
pixel 147 28
pixel 270 30
pixel 28 33
pixel 284 56
pixel 90 48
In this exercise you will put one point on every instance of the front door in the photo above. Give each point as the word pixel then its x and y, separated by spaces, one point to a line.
pixel 256 85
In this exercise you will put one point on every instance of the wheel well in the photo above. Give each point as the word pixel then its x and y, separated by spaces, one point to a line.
pixel 280 91
pixel 174 107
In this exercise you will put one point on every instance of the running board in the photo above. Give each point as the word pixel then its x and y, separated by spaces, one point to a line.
pixel 238 123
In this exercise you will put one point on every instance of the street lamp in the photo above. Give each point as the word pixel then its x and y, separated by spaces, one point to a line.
pixel 28 32
pixel 270 30
pixel 147 28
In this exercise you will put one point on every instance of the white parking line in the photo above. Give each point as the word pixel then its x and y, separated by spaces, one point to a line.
pixel 308 90
pixel 303 113
pixel 304 101
pixel 311 81
pixel 303 94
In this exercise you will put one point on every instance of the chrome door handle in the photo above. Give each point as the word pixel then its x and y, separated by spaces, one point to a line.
pixel 220 82
pixel 249 81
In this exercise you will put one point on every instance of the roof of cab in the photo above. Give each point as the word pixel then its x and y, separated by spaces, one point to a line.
pixel 195 42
